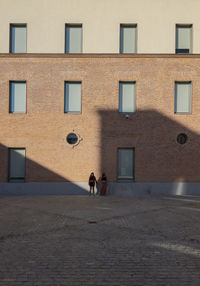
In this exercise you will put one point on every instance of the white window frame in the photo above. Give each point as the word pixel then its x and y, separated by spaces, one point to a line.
pixel 122 26
pixel 121 110
pixel 67 97
pixel 183 51
pixel 189 97
pixel 11 48
pixel 67 40
pixel 12 97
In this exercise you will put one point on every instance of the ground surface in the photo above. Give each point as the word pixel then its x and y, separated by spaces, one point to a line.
pixel 81 240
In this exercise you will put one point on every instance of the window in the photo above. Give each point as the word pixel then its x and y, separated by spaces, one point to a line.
pixel 126 163
pixel 183 39
pixel 73 97
pixel 17 164
pixel 73 38
pixel 17 97
pixel 183 97
pixel 127 97
pixel 128 39
pixel 18 38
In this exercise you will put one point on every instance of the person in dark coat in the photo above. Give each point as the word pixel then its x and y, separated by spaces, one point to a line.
pixel 91 182
pixel 103 185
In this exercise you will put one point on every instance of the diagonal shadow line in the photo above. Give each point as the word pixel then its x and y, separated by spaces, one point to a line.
pixel 158 156
pixel 36 174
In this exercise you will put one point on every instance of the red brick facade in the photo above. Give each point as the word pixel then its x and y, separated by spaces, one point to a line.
pixel 152 131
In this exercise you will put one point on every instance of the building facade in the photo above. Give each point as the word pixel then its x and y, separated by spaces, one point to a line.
pixel 105 86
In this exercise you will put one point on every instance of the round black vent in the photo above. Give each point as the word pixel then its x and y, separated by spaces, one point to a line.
pixel 182 138
pixel 72 138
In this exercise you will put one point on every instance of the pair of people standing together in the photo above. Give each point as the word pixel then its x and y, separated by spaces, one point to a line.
pixel 92 181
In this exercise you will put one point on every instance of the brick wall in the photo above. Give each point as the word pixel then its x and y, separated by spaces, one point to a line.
pixel 152 131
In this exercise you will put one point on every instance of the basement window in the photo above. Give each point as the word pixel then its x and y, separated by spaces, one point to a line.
pixel 17 158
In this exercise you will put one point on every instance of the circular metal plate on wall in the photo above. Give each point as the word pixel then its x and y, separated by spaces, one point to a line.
pixel 72 138
pixel 182 138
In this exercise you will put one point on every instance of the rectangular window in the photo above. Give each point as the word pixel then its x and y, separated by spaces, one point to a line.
pixel 183 39
pixel 127 97
pixel 73 38
pixel 17 97
pixel 128 39
pixel 183 97
pixel 73 97
pixel 126 158
pixel 18 38
pixel 17 158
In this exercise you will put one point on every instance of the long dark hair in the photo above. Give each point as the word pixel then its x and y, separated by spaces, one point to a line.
pixel 103 176
pixel 92 175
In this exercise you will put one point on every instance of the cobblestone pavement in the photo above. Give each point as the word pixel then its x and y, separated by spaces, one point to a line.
pixel 80 240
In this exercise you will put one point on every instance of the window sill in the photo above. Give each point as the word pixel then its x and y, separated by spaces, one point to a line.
pixel 18 53
pixel 16 180
pixel 126 180
pixel 72 112
pixel 182 113
pixel 17 112
pixel 128 112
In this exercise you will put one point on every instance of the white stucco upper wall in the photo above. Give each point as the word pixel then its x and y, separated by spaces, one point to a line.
pixel 101 19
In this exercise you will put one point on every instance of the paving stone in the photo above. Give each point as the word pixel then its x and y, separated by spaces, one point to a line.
pixel 78 240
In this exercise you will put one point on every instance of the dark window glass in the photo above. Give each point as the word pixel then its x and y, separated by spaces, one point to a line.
pixel 182 138
pixel 72 138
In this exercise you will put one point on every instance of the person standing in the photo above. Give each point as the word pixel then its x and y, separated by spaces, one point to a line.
pixel 92 181
pixel 103 185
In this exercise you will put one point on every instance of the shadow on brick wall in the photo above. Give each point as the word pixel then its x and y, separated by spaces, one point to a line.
pixel 158 155
pixel 44 182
